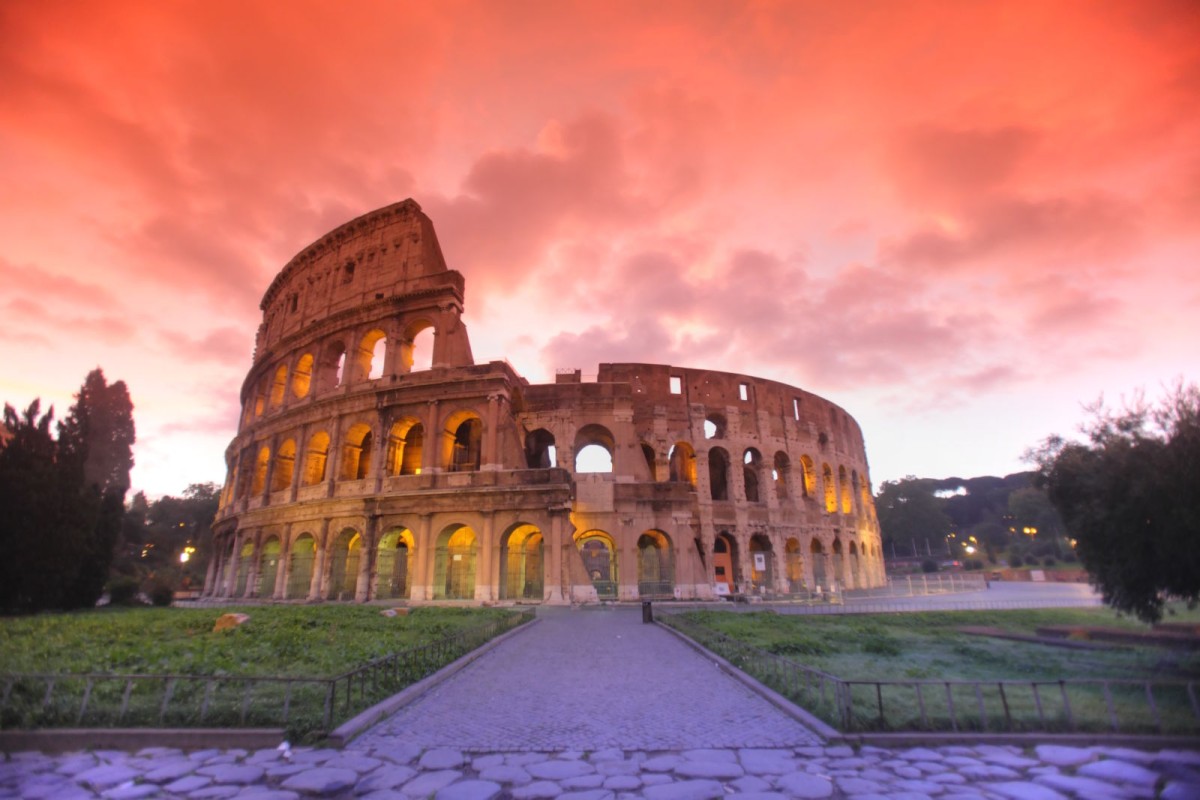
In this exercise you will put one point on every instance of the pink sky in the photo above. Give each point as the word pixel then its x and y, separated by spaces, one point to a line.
pixel 959 221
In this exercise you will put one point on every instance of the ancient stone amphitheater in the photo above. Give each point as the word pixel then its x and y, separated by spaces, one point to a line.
pixel 376 460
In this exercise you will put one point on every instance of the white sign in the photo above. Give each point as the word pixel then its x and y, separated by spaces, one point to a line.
pixel 721 589
pixel 457 557
pixel 1037 575
pixel 760 562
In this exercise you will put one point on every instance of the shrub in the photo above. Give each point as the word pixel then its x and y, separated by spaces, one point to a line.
pixel 123 591
pixel 929 565
pixel 160 592
pixel 1049 561
pixel 973 563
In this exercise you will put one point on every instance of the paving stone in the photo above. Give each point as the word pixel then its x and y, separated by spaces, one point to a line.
pixel 469 790
pixel 946 777
pixel 655 778
pixel 1063 756
pixel 75 765
pixel 428 783
pixel 1079 785
pixel 769 762
pixel 587 794
pixel 502 773
pixel 839 751
pixel 266 793
pixel 187 784
pixel 558 770
pixel 1119 772
pixel 750 784
pixel 909 772
pixel 203 755
pixel 1010 760
pixel 321 780
pixel 709 754
pixel 963 761
pixel 441 758
pixel 355 761
pixel 854 786
pixel 312 755
pixel 265 756
pixel 103 777
pixel 131 791
pixel 622 783
pixel 581 782
pixel 610 754
pixel 661 763
pixel 721 770
pixel 1023 790
pixel 630 767
pixel 685 790
pixel 386 777
pixel 480 763
pixel 233 773
pixel 214 792
pixel 759 796
pixel 1177 790
pixel 537 789
pixel 923 787
pixel 283 770
pixel 801 784
pixel 988 772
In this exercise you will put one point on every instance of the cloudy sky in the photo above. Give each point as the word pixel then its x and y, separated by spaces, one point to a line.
pixel 959 221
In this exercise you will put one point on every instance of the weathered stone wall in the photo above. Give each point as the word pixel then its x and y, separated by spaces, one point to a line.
pixel 354 476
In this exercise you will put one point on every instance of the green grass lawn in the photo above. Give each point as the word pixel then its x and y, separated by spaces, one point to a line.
pixel 289 642
pixel 927 646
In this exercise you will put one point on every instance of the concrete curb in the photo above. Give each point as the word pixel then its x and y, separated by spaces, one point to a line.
pixel 65 740
pixel 773 697
pixel 352 727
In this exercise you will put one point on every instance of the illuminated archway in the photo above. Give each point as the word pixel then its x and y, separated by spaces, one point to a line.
pixel 303 554
pixel 683 464
pixel 718 473
pixel 725 563
pixel 343 565
pixel 393 564
pixel 268 567
pixel 818 565
pixel 656 568
pixel 405 448
pixel 285 465
pixel 599 554
pixel 793 564
pixel 762 564
pixel 521 563
pixel 244 563
pixel 315 458
pixel 454 564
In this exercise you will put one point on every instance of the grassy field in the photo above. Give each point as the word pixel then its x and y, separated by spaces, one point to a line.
pixel 927 648
pixel 303 645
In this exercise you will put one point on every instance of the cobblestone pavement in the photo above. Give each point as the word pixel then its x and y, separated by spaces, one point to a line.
pixel 388 771
pixel 590 679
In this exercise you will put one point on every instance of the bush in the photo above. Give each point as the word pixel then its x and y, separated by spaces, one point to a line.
pixel 123 591
pixel 1049 561
pixel 929 565
pixel 973 563
pixel 160 592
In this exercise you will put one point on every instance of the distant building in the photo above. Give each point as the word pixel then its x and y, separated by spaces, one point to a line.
pixel 357 475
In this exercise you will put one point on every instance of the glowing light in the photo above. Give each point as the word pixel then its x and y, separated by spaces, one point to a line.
pixel 186 555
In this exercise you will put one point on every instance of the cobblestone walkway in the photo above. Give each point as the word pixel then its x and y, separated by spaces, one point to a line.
pixel 589 680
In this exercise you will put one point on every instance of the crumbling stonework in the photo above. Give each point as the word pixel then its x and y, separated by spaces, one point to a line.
pixel 355 476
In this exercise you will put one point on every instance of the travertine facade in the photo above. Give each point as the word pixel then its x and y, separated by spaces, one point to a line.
pixel 356 476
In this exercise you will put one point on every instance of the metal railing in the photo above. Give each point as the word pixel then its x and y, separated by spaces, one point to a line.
pixel 307 707
pixel 924 584
pixel 979 706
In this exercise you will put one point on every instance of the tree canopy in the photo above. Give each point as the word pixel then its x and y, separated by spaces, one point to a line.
pixel 1128 496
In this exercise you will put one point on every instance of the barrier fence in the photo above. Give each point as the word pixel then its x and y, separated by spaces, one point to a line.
pixel 308 707
pixel 981 706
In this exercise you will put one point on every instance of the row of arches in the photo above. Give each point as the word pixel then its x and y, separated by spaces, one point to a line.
pixel 846 567
pixel 338 362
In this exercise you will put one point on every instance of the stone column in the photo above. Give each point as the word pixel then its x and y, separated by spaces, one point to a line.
pixel 552 568
pixel 366 560
pixel 483 567
pixel 491 459
pixel 422 578
pixel 300 462
pixel 285 562
pixel 333 461
pixel 316 585
pixel 431 450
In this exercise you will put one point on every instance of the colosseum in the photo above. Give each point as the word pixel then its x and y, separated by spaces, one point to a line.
pixel 375 460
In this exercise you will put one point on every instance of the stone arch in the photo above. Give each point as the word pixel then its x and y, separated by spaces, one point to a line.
pixel 839 563
pixel 371 355
pixel 808 473
pixel 650 457
pixel 540 452
pixel 302 376
pixel 762 563
pixel 725 563
pixel 844 486
pixel 245 562
pixel 852 575
pixel 751 469
pixel 333 363
pixel 301 558
pixel 260 470
pixel 356 452
pixel 316 457
pixel 793 564
pixel 416 346
pixel 781 473
pixel 268 567
pixel 715 425
pixel 454 563
pixel 285 466
pixel 405 447
pixel 683 463
pixel 599 553
pixel 462 441
pixel 521 558
pixel 831 503
pixel 820 580
pixel 655 565
pixel 589 441
pixel 279 386
pixel 393 564
pixel 718 473
pixel 344 553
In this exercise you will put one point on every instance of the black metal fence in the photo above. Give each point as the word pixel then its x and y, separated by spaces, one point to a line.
pixel 983 706
pixel 308 708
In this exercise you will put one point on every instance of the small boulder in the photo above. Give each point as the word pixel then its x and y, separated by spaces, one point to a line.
pixel 229 621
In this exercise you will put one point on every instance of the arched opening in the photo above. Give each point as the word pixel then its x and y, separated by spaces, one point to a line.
pixel 844 485
pixel 343 565
pixel 830 489
pixel 454 564
pixel 304 552
pixel 356 452
pixel 369 359
pixel 818 565
pixel 718 473
pixel 279 386
pixel 839 564
pixel 852 580
pixel 540 452
pixel 462 441
pixel 416 348
pixel 809 475
pixel 599 554
pixel 655 565
pixel 725 564
pixel 683 464
pixel 285 466
pixel 751 464
pixel 651 459
pixel 260 401
pixel 781 474
pixel 302 376
pixel 260 471
pixel 714 426
pixel 333 362
pixel 244 563
pixel 315 457
pixel 393 564
pixel 793 564
pixel 762 566
pixel 594 448
pixel 521 562
pixel 268 568
pixel 405 448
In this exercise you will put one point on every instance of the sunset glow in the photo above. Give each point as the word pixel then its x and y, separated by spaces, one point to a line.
pixel 958 221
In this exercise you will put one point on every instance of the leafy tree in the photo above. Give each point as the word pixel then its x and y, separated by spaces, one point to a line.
pixel 1128 495
pixel 155 533
pixel 910 515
